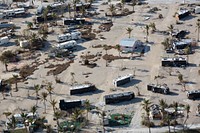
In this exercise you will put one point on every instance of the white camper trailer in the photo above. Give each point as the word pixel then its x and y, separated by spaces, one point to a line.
pixel 76 35
pixel 4 40
pixel 67 45
pixel 64 37
pixel 69 36
pixel 197 10
pixel 24 44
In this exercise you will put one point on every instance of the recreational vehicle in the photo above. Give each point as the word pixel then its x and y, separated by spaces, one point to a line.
pixel 67 45
pixel 13 12
pixel 195 94
pixel 40 19
pixel 69 36
pixel 182 44
pixel 119 97
pixel 182 14
pixel 4 40
pixel 174 62
pixel 163 89
pixel 76 21
pixel 79 89
pixel 40 9
pixel 122 80
pixel 70 104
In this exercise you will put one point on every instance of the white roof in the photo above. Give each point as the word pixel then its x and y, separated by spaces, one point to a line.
pixel 123 77
pixel 80 86
pixel 129 42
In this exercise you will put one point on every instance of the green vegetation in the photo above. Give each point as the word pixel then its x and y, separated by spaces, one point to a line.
pixel 119 119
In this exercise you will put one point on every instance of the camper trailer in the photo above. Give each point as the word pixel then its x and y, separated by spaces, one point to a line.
pixel 4 40
pixel 70 104
pixel 69 36
pixel 182 44
pixel 163 89
pixel 195 94
pixel 67 45
pixel 24 44
pixel 40 19
pixel 182 14
pixel 174 62
pixel 122 80
pixel 13 12
pixel 6 25
pixel 79 89
pixel 119 97
pixel 40 9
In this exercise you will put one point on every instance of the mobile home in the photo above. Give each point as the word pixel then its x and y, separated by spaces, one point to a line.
pixel 79 89
pixel 118 97
pixel 67 45
pixel 76 21
pixel 70 104
pixel 122 80
pixel 4 40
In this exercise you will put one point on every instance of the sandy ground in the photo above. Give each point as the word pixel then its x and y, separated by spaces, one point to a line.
pixel 147 68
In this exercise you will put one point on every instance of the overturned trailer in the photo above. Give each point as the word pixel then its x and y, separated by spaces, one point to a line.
pixel 195 94
pixel 174 62
pixel 79 89
pixel 163 89
pixel 182 44
pixel 122 80
pixel 119 97
pixel 70 104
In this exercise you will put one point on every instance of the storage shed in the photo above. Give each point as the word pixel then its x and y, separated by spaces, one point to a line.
pixel 130 44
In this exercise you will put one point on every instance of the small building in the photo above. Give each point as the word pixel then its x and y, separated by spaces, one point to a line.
pixel 130 44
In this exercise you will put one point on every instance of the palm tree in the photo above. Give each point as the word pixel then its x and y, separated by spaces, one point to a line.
pixel 54 15
pixel 187 108
pixel 163 105
pixel 74 5
pixel 72 77
pixel 50 89
pixel 123 3
pixel 24 118
pixel 133 3
pixel 37 88
pixel 171 28
pixel 57 116
pixel 7 114
pixel 87 106
pixel 129 30
pixel 106 48
pixel 112 10
pixel 45 13
pixel 175 106
pixel 83 10
pixel 187 52
pixel 33 110
pixel 12 123
pixel 153 27
pixel 53 103
pixel 180 77
pixel 29 25
pixel 167 43
pixel 15 78
pixel 77 114
pixel 44 99
pixel 198 28
pixel 5 62
pixel 146 106
pixel 69 9
pixel 118 49
pixel 147 32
